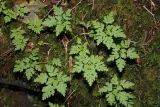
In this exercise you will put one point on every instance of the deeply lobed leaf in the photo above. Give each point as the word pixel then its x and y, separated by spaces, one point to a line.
pixel 18 39
pixel 116 94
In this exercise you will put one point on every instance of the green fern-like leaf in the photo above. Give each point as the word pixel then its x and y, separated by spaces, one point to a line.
pixel 114 55
pixel 115 31
pixel 56 62
pixel 61 88
pixel 120 53
pixel 58 11
pixel 111 99
pixel 54 105
pixel 42 78
pixel 48 91
pixel 35 25
pixel 100 36
pixel 9 15
pixel 113 37
pixel 60 21
pixel 50 21
pixel 28 65
pixel 106 32
pixel 56 83
pixel 21 10
pixel 120 64
pixel 123 98
pixel 79 48
pixel 85 24
pixel 53 79
pixel 126 84
pixel 89 65
pixel 2 6
pixel 116 94
pixel 109 19
pixel 12 14
pixel 131 53
pixel 18 40
pixel 29 73
pixel 90 74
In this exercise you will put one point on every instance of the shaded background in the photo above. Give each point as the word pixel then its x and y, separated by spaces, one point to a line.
pixel 140 20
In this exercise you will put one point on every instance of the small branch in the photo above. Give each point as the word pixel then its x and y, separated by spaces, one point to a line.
pixel 47 13
pixel 152 4
pixel 148 10
pixel 70 94
pixel 51 10
pixel 65 42
pixel 93 4
pixel 77 4
pixel 73 38
pixel 153 15
pixel 48 52
pixel 84 33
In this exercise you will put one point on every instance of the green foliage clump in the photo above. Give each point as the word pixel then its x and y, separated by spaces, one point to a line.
pixel 117 92
pixel 79 48
pixel 9 15
pixel 89 65
pixel 113 37
pixel 54 105
pixel 18 39
pixel 12 14
pixel 120 52
pixel 35 25
pixel 105 32
pixel 2 6
pixel 53 79
pixel 51 76
pixel 21 10
pixel 29 65
pixel 61 20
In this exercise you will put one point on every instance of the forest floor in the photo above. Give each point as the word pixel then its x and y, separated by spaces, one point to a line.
pixel 140 21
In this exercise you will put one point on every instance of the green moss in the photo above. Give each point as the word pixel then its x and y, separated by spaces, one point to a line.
pixel 83 95
pixel 134 20
pixel 144 18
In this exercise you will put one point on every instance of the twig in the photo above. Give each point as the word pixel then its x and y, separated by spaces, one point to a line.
pixel 148 10
pixel 73 38
pixel 51 10
pixel 70 67
pixel 65 42
pixel 77 4
pixel 152 4
pixel 93 4
pixel 48 13
pixel 84 32
pixel 70 94
pixel 150 13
